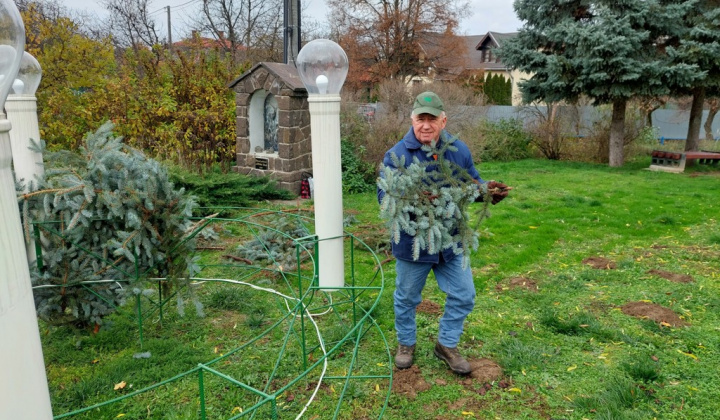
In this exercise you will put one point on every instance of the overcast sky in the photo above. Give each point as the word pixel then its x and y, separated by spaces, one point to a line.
pixel 483 16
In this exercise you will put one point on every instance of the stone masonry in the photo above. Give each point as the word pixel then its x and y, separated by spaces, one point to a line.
pixel 294 157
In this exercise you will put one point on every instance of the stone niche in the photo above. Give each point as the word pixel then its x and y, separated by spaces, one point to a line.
pixel 273 124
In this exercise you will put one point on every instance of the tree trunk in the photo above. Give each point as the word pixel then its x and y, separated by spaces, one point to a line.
pixel 714 107
pixel 617 132
pixel 692 144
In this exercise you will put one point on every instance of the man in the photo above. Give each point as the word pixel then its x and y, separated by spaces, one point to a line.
pixel 455 279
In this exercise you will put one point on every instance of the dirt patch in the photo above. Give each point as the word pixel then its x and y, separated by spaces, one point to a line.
pixel 484 370
pixel 518 283
pixel 429 307
pixel 673 277
pixel 653 312
pixel 409 382
pixel 600 263
pixel 713 174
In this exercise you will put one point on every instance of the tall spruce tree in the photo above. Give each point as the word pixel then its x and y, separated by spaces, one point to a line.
pixel 700 46
pixel 608 50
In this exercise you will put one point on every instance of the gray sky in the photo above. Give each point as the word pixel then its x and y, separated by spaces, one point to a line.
pixel 489 15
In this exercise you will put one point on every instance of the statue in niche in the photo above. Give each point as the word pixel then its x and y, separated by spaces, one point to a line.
pixel 271 124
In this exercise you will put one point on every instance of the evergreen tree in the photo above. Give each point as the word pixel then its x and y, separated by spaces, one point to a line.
pixel 608 50
pixel 700 46
pixel 497 89
pixel 508 92
pixel 109 216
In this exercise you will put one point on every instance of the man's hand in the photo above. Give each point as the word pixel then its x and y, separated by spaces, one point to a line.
pixel 498 191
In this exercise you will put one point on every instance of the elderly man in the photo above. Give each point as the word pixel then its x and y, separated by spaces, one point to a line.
pixel 453 277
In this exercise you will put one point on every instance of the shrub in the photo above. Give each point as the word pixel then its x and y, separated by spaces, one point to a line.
pixel 220 188
pixel 551 129
pixel 504 140
pixel 358 176
pixel 596 145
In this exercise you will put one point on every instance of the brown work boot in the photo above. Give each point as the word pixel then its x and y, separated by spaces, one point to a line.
pixel 404 356
pixel 453 358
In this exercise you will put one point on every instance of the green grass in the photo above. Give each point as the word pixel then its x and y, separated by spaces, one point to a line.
pixel 567 350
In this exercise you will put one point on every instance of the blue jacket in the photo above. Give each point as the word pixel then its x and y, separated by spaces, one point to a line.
pixel 410 147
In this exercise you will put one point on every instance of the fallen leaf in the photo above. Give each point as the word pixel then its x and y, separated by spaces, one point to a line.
pixel 687 354
pixel 468 413
pixel 518 390
pixel 571 368
pixel 120 385
pixel 120 415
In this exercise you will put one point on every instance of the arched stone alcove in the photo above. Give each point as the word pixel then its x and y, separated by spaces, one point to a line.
pixel 273 124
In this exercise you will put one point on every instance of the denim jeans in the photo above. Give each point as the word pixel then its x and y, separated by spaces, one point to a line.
pixel 456 282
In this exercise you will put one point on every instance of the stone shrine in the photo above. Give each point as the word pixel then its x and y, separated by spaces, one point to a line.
pixel 273 124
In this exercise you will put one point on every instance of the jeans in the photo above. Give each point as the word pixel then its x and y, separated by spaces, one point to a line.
pixel 456 282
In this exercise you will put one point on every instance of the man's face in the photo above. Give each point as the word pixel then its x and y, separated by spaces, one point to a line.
pixel 427 127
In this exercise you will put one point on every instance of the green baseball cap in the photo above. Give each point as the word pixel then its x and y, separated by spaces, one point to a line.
pixel 428 103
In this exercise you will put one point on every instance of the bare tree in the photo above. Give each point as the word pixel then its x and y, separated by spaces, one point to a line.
pixel 131 23
pixel 398 38
pixel 248 29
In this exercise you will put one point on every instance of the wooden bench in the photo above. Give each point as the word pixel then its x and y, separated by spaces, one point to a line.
pixel 675 161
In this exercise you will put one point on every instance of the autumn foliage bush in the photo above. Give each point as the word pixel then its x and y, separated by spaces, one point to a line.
pixel 172 105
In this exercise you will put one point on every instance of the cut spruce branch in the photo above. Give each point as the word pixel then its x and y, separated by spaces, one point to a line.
pixel 429 202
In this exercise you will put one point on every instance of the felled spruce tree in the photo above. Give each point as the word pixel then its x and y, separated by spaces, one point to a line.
pixel 108 219
pixel 429 201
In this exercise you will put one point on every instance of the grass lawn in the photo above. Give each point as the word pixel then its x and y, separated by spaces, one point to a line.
pixel 597 298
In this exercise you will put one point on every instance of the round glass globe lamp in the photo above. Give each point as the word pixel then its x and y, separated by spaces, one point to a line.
pixel 29 75
pixel 12 43
pixel 323 66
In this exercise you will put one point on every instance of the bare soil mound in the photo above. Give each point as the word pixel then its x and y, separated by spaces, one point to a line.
pixel 673 277
pixel 653 312
pixel 484 370
pixel 429 307
pixel 409 382
pixel 600 263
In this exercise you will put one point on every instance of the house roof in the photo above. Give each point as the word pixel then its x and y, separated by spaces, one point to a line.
pixel 205 43
pixel 196 40
pixel 285 72
pixel 496 38
pixel 474 60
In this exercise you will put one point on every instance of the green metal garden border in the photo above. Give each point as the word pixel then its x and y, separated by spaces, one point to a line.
pixel 301 293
